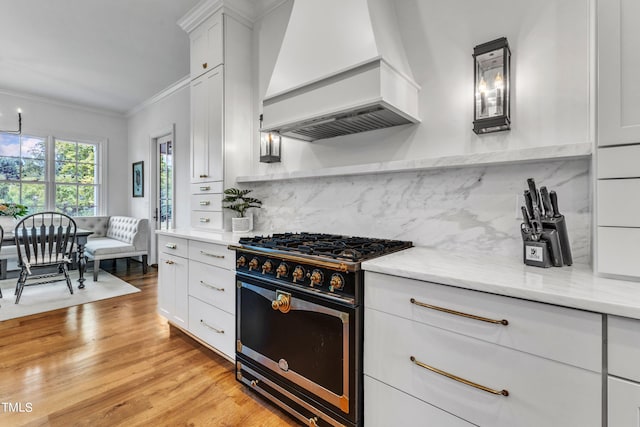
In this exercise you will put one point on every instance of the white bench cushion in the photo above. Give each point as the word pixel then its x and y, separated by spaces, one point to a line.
pixel 107 246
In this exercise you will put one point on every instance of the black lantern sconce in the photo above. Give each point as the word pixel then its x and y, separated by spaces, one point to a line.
pixel 492 77
pixel 19 131
pixel 269 146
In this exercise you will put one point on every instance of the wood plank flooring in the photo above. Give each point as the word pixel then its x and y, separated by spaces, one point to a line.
pixel 116 362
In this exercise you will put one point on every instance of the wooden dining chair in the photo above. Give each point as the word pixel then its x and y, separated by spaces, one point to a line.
pixel 45 243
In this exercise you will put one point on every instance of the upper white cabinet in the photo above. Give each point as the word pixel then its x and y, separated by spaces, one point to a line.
pixel 206 46
pixel 618 71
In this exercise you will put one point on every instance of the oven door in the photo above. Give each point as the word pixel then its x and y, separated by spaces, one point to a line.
pixel 306 341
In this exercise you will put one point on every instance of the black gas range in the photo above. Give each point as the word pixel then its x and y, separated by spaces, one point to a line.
pixel 299 321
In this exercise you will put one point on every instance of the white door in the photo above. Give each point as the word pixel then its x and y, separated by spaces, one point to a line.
pixel 162 188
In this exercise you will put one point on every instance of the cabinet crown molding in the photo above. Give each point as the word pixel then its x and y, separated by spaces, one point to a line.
pixel 244 10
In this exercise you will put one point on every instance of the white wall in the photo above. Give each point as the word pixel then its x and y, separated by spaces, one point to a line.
pixel 550 46
pixel 46 117
pixel 147 122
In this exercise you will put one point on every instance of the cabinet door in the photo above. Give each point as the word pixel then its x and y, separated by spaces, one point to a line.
pixel 618 70
pixel 624 403
pixel 206 127
pixel 173 296
pixel 206 46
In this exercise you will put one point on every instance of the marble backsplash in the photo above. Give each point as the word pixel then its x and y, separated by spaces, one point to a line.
pixel 467 209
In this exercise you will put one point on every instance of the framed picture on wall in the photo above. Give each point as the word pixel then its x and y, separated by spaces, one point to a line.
pixel 138 179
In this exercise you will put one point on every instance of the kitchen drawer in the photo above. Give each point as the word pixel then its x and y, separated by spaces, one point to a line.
pixel 173 246
pixel 206 187
pixel 536 328
pixel 213 326
pixel 206 219
pixel 619 162
pixel 624 403
pixel 213 254
pixel 618 202
pixel 213 285
pixel 386 406
pixel 618 251
pixel 542 392
pixel 624 347
pixel 206 202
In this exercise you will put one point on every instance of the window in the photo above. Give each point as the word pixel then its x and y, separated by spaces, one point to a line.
pixel 47 173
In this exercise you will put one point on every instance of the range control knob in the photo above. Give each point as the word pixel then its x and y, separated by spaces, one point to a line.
pixel 337 282
pixel 253 264
pixel 267 267
pixel 241 262
pixel 282 270
pixel 298 274
pixel 316 278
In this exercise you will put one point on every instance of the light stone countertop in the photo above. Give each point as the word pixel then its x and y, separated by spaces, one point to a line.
pixel 574 286
pixel 218 237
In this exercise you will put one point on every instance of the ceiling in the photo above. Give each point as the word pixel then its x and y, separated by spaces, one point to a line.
pixel 105 54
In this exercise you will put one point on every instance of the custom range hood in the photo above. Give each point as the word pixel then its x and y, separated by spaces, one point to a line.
pixel 341 69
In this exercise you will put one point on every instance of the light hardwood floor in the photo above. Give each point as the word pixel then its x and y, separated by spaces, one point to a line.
pixel 116 362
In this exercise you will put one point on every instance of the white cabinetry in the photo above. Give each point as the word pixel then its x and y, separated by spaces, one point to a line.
pixel 221 119
pixel 196 291
pixel 624 372
pixel 172 280
pixel 415 337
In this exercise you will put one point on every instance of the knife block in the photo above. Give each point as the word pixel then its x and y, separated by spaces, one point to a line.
pixel 560 225
pixel 536 253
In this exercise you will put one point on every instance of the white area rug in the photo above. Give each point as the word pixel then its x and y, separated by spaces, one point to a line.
pixel 52 296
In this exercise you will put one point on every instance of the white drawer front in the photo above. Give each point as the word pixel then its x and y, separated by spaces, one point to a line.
pixel 206 187
pixel 213 254
pixel 213 326
pixel 619 202
pixel 206 202
pixel 619 251
pixel 173 246
pixel 536 328
pixel 385 406
pixel 213 285
pixel 624 403
pixel 619 162
pixel 206 220
pixel 624 346
pixel 542 392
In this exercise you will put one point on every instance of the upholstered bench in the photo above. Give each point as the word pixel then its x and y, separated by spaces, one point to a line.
pixel 115 237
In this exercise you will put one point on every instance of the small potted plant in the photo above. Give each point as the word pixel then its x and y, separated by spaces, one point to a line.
pixel 237 200
pixel 9 213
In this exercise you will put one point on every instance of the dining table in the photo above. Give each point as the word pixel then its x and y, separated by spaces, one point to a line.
pixel 81 240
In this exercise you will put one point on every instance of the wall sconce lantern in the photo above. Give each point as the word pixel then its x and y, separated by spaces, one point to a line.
pixel 492 68
pixel 269 146
pixel 19 131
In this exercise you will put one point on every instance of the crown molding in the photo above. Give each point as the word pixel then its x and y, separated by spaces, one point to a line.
pixel 243 9
pixel 61 103
pixel 160 95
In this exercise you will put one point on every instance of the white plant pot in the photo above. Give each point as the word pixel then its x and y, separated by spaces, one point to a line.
pixel 8 223
pixel 241 225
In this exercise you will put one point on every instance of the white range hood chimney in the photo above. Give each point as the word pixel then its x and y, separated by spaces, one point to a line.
pixel 341 69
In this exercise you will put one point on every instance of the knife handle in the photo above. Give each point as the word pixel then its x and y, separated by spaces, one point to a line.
pixel 525 217
pixel 528 203
pixel 546 202
pixel 554 204
pixel 534 193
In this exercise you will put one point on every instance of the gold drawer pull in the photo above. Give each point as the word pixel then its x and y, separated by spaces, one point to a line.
pixel 169 262
pixel 204 65
pixel 218 331
pixel 171 245
pixel 204 176
pixel 459 313
pixel 205 203
pixel 212 255
pixel 206 188
pixel 456 378
pixel 204 220
pixel 211 286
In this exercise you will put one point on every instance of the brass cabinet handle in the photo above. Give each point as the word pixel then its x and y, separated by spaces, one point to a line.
pixel 459 313
pixel 254 383
pixel 206 188
pixel 204 65
pixel 313 421
pixel 218 331
pixel 456 378
pixel 211 286
pixel 204 219
pixel 205 203
pixel 212 255
pixel 171 245
pixel 169 262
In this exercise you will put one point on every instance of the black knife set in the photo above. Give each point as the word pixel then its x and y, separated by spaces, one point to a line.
pixel 544 230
